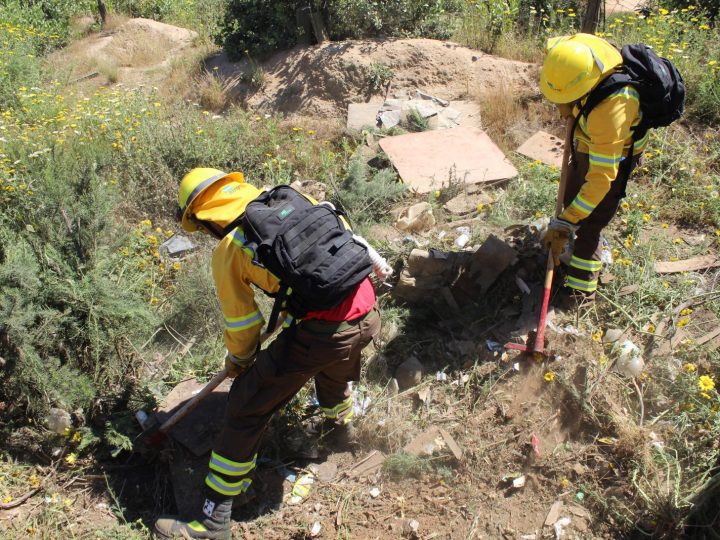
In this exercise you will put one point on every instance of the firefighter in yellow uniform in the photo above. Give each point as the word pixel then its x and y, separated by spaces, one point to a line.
pixel 324 345
pixel 573 67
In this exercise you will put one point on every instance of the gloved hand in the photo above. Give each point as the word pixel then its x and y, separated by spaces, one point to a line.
pixel 237 366
pixel 557 236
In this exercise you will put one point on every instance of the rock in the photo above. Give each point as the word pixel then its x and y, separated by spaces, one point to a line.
pixel 416 218
pixel 327 471
pixel 59 420
pixel 423 108
pixel 412 526
pixel 176 246
pixel 453 446
pixel 409 373
pixel 466 203
pixel 422 95
pixel 393 387
pixel 367 465
pixel 612 335
pixel 389 119
pixel 374 493
pixel 362 115
pixel 554 513
pixel 426 444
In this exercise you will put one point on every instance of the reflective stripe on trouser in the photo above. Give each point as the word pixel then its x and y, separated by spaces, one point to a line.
pixel 226 476
pixel 585 265
pixel 280 371
pixel 341 413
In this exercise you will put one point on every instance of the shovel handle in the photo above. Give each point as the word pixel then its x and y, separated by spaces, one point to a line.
pixel 195 401
pixel 207 390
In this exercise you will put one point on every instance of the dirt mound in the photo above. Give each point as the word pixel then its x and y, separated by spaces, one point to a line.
pixel 324 80
pixel 133 51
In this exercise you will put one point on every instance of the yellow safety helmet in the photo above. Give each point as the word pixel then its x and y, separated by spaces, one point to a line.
pixel 211 195
pixel 574 65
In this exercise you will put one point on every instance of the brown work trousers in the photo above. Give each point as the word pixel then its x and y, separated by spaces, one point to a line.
pixel 309 349
pixel 587 246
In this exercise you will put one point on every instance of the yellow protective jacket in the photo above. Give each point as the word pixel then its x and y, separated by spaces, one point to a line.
pixel 606 136
pixel 235 274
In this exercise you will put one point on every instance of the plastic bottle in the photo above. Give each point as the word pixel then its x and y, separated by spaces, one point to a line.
pixel 380 266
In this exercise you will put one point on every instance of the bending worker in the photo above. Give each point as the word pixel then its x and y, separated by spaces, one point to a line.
pixel 600 165
pixel 325 344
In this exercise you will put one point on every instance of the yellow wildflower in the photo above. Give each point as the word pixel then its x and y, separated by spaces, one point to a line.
pixel 646 218
pixel 34 481
pixel 564 483
pixel 664 225
pixel 685 312
pixel 154 301
pixel 71 458
pixel 690 367
pixel 7 499
pixel 146 223
pixel 706 383
pixel 549 376
pixel 651 328
pixel 705 395
pixel 683 322
pixel 625 206
pixel 597 336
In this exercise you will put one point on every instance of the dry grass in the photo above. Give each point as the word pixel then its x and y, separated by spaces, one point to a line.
pixel 215 93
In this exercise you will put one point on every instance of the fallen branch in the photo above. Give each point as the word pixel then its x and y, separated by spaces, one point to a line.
pixel 20 500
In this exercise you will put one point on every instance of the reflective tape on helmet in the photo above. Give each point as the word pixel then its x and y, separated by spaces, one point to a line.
pixel 201 186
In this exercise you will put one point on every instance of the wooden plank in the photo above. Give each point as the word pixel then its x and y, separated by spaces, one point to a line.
pixel 687 265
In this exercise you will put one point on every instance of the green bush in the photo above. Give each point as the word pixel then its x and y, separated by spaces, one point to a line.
pixel 264 26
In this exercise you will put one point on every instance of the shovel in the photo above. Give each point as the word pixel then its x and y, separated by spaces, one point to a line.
pixel 154 433
pixel 538 344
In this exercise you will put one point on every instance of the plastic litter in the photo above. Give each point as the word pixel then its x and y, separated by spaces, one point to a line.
pixel 494 346
pixel 441 376
pixel 462 240
pixel 606 253
pixel 315 529
pixel 630 361
pixel 519 482
pixel 375 493
pixel 301 488
pixel 559 527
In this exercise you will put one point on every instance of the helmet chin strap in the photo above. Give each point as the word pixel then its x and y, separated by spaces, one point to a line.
pixel 212 228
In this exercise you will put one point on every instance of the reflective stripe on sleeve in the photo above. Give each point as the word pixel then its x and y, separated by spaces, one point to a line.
pixel 583 206
pixel 236 324
pixel 581 284
pixel 229 467
pixel 584 264
pixel 239 239
pixel 231 489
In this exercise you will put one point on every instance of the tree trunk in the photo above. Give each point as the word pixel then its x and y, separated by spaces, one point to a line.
pixel 592 16
pixel 102 10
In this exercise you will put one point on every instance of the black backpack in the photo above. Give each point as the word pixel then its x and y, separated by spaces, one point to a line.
pixel 307 248
pixel 656 79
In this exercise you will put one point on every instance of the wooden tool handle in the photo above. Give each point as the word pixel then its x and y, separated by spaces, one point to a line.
pixel 207 389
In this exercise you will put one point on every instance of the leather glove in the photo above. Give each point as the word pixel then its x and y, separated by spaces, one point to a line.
pixel 237 366
pixel 557 236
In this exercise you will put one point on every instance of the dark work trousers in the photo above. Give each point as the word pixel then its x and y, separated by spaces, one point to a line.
pixel 330 352
pixel 585 265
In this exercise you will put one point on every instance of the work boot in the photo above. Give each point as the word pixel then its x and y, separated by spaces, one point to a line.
pixel 569 300
pixel 212 523
pixel 338 437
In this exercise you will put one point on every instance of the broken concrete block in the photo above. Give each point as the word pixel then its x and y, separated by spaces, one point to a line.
pixel 429 160
pixel 362 115
pixel 389 119
pixel 426 444
pixel 543 147
pixel 423 108
pixel 367 465
pixel 418 217
pixel 422 95
pixel 409 373
pixel 491 260
pixel 453 446
pixel 392 105
pixel 176 246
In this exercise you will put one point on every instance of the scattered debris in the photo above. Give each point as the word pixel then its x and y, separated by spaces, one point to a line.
pixel 426 444
pixel 543 147
pixel 559 527
pixel 176 246
pixel 367 465
pixel 494 346
pixel 389 119
pixel 419 94
pixel 701 262
pixel 630 362
pixel 412 526
pixel 519 482
pixel 522 285
pixel 465 203
pixel 430 160
pixel 418 217
pixel 612 335
pixel 301 488
pixel 464 237
pixel 59 421
pixel 315 529
pixel 409 373
pixel 486 265
pixel 451 444
pixel 554 513
pixel 375 493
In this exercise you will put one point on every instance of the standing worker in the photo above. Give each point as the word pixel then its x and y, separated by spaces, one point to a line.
pixel 325 343
pixel 600 165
